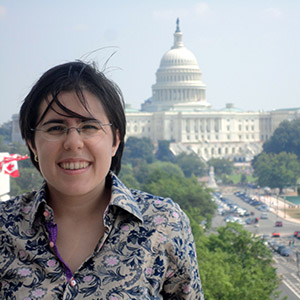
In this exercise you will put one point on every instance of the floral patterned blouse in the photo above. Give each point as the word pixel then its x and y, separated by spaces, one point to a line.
pixel 147 251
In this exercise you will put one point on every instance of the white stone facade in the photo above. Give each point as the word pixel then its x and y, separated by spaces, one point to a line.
pixel 4 181
pixel 178 111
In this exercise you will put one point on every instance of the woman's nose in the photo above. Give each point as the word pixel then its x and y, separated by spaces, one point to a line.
pixel 73 139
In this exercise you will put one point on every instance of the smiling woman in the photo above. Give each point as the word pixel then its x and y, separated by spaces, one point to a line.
pixel 84 235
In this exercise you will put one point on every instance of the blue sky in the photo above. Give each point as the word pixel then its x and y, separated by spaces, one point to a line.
pixel 248 51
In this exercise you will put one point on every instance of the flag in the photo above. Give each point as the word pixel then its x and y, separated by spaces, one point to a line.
pixel 13 157
pixel 9 164
pixel 11 168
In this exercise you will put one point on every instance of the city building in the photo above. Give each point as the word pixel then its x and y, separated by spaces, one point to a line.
pixel 4 181
pixel 179 112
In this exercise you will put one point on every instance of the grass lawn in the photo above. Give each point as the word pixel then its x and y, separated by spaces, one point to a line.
pixel 236 178
pixel 293 213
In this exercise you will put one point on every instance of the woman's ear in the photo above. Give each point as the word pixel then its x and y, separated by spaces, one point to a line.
pixel 116 143
pixel 29 144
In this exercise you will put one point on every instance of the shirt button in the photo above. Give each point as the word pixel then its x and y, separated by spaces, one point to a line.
pixel 51 244
pixel 73 282
pixel 46 214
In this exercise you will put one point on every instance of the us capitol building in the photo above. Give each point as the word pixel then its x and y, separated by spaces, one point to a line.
pixel 179 112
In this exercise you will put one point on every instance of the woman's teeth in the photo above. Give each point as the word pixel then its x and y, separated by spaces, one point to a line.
pixel 74 165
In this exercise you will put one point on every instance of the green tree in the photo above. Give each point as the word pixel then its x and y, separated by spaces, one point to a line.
pixel 127 177
pixel 191 164
pixel 29 179
pixel 3 146
pixel 5 131
pixel 187 192
pixel 276 170
pixel 243 179
pixel 221 166
pixel 144 171
pixel 286 138
pixel 235 265
pixel 163 152
pixel 137 149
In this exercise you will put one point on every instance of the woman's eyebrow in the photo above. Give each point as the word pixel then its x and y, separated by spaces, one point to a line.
pixel 59 121
pixel 63 121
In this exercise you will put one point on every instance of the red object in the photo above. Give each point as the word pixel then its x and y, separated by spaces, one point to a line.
pixel 9 164
pixel 11 169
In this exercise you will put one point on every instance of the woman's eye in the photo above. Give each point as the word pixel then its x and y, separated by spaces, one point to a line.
pixel 57 128
pixel 91 127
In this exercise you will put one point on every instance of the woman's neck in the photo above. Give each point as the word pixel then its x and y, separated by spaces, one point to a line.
pixel 78 208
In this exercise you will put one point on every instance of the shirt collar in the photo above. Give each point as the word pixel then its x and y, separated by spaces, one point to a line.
pixel 38 200
pixel 120 197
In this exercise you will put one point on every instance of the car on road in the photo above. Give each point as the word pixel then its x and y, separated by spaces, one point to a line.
pixel 276 234
pixel 264 216
pixel 251 220
pixel 278 224
pixel 296 232
pixel 285 252
pixel 280 248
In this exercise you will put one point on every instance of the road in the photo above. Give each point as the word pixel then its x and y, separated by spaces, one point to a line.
pixel 287 267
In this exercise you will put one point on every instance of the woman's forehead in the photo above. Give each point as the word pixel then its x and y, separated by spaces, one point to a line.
pixel 69 105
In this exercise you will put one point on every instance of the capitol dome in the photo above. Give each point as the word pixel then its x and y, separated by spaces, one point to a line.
pixel 178 57
pixel 178 80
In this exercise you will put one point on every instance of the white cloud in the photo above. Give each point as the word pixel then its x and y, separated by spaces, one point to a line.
pixel 3 12
pixel 272 13
pixel 199 9
pixel 169 14
pixel 79 27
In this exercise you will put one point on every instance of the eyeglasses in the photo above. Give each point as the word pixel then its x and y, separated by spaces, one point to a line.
pixel 56 131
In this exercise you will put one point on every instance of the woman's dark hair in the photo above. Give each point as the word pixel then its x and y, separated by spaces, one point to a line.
pixel 74 76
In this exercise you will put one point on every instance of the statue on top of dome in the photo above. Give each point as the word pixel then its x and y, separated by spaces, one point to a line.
pixel 177 25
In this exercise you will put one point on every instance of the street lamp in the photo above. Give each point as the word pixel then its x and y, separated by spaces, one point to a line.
pixel 277 196
pixel 298 260
pixel 284 198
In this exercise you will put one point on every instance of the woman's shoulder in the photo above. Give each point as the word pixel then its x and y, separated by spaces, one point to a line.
pixel 154 205
pixel 15 205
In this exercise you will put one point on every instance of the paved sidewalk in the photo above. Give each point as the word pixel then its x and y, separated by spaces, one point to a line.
pixel 278 205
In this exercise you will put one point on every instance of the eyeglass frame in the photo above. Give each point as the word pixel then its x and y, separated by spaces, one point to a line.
pixel 66 130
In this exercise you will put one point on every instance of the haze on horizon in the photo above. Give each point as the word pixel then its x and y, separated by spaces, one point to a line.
pixel 248 51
